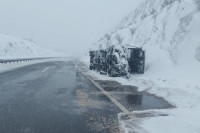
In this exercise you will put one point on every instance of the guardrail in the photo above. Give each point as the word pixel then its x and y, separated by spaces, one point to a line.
pixel 5 61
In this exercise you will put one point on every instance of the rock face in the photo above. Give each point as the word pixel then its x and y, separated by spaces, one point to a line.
pixel 167 29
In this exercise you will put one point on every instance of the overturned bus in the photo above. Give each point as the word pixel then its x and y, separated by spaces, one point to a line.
pixel 118 60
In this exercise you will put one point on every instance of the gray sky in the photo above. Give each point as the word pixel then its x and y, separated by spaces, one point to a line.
pixel 70 26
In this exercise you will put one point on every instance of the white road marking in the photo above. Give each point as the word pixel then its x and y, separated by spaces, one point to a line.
pixel 45 69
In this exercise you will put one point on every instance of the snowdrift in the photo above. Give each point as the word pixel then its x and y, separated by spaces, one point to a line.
pixel 12 48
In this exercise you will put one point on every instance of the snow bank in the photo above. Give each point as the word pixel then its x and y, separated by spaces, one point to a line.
pixel 179 120
pixel 165 121
pixel 12 48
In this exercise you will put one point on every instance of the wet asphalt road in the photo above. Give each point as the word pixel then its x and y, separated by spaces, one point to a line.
pixel 53 97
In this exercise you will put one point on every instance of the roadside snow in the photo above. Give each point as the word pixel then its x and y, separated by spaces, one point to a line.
pixel 179 121
pixel 173 121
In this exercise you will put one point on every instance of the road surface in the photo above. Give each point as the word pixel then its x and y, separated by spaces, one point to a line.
pixel 53 97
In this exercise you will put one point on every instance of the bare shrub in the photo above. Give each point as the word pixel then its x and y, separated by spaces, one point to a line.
pixel 197 55
pixel 100 46
pixel 119 39
pixel 168 2
pixel 132 30
pixel 197 3
pixel 10 44
pixel 153 11
pixel 108 37
pixel 143 16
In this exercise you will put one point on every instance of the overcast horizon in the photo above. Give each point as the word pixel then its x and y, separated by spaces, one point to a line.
pixel 62 25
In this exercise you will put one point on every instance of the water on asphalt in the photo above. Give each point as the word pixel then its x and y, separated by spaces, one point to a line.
pixel 133 100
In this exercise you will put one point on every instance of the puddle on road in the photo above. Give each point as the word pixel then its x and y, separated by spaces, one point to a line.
pixel 142 101
pixel 131 98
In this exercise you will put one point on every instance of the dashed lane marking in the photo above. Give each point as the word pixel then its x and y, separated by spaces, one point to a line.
pixel 45 69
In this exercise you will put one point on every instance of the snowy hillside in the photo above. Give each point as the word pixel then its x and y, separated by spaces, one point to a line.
pixel 12 48
pixel 167 29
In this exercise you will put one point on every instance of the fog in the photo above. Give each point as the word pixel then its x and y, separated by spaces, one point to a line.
pixel 69 26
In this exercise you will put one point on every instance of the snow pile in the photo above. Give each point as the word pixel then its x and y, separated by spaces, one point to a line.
pixel 165 121
pixel 12 48
pixel 169 32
